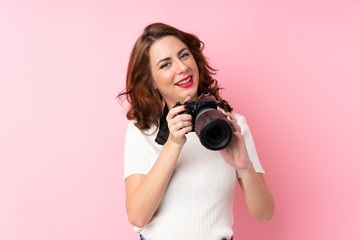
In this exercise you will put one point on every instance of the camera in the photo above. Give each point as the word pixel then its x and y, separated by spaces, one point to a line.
pixel 210 125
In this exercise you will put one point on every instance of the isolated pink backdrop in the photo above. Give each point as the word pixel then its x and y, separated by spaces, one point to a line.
pixel 291 67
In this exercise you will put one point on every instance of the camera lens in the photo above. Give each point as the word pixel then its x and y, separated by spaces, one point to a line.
pixel 215 134
pixel 213 129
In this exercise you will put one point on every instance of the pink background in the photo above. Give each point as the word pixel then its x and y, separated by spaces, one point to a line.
pixel 291 67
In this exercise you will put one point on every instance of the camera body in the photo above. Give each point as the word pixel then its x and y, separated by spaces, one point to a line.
pixel 210 125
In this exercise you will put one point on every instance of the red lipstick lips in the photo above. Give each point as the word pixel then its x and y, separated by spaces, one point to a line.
pixel 185 82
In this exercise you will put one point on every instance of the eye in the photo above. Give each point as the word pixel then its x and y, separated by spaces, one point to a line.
pixel 184 55
pixel 164 65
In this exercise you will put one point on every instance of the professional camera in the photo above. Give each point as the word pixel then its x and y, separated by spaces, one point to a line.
pixel 210 125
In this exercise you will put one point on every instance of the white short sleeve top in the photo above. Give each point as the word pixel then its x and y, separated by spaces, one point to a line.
pixel 198 201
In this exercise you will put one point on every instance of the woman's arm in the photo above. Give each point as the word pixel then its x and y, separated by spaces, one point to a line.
pixel 145 192
pixel 258 198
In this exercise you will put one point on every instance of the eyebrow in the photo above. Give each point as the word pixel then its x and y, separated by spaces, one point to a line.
pixel 168 58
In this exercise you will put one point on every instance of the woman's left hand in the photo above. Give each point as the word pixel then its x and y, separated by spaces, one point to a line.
pixel 258 198
pixel 235 153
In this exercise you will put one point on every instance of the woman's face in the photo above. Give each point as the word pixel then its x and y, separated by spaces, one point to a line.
pixel 174 70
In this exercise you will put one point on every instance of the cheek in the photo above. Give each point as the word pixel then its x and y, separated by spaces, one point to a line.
pixel 162 80
pixel 166 78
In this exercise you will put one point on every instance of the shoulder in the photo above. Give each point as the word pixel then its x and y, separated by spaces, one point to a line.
pixel 238 116
pixel 132 128
pixel 240 119
pixel 242 123
pixel 133 133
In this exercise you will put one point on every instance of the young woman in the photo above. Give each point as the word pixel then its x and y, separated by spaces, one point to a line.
pixel 176 188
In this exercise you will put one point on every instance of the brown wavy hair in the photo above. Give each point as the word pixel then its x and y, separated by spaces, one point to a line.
pixel 146 103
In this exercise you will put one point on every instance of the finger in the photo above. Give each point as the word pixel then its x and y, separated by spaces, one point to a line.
pixel 180 129
pixel 231 119
pixel 180 119
pixel 227 114
pixel 188 98
pixel 183 124
pixel 185 130
pixel 175 111
pixel 183 117
pixel 234 123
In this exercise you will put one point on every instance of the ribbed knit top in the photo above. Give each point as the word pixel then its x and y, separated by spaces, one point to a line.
pixel 198 201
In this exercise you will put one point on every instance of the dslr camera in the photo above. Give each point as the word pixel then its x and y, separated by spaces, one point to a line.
pixel 210 125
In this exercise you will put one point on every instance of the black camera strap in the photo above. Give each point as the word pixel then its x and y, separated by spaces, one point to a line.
pixel 163 133
pixel 225 105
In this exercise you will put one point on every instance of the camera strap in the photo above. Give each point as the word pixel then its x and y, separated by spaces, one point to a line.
pixel 163 133
pixel 225 105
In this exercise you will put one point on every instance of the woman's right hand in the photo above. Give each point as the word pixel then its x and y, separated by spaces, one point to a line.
pixel 179 124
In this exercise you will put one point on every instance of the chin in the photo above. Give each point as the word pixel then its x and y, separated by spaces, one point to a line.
pixel 192 96
pixel 192 93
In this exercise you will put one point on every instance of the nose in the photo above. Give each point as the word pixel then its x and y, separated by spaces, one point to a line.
pixel 181 67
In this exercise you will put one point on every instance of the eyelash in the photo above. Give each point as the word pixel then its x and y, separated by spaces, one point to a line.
pixel 164 65
pixel 184 55
pixel 181 57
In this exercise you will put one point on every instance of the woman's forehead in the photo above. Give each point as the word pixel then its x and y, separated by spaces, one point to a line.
pixel 166 46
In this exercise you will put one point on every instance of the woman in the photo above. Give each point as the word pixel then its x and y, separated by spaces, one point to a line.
pixel 181 190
